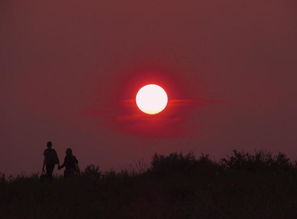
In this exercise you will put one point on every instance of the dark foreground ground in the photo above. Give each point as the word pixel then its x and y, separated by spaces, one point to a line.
pixel 175 186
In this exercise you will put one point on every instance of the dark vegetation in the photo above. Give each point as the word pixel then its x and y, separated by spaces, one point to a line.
pixel 243 185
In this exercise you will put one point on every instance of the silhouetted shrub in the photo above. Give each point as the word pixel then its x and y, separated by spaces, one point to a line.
pixel 281 161
pixel 256 162
pixel 205 162
pixel 138 167
pixel 174 162
pixel 182 163
pixel 92 171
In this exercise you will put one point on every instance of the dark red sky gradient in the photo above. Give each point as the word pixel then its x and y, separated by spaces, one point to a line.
pixel 69 69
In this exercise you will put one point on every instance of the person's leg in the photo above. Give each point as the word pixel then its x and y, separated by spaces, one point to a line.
pixel 50 170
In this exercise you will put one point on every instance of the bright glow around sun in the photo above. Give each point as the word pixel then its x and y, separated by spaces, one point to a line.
pixel 151 99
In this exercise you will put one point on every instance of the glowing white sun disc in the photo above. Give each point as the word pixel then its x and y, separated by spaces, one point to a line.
pixel 151 99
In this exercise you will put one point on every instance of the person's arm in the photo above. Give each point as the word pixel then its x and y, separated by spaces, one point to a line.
pixel 63 165
pixel 44 162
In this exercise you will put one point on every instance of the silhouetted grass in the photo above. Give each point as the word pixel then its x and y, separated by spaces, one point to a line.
pixel 242 185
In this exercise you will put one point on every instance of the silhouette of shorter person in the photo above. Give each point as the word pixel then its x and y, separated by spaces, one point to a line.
pixel 50 160
pixel 70 164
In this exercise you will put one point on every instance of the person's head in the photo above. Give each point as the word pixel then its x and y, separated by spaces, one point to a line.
pixel 49 144
pixel 68 151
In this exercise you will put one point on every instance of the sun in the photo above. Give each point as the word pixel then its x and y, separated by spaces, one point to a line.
pixel 151 99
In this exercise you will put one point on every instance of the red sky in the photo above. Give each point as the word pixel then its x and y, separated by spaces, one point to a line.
pixel 68 69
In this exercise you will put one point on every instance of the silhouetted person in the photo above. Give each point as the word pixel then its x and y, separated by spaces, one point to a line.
pixel 50 160
pixel 70 164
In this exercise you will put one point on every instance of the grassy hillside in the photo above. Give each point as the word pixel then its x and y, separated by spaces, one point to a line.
pixel 175 186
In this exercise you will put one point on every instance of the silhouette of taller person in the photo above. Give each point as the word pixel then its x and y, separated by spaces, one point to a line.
pixel 50 160
pixel 70 164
